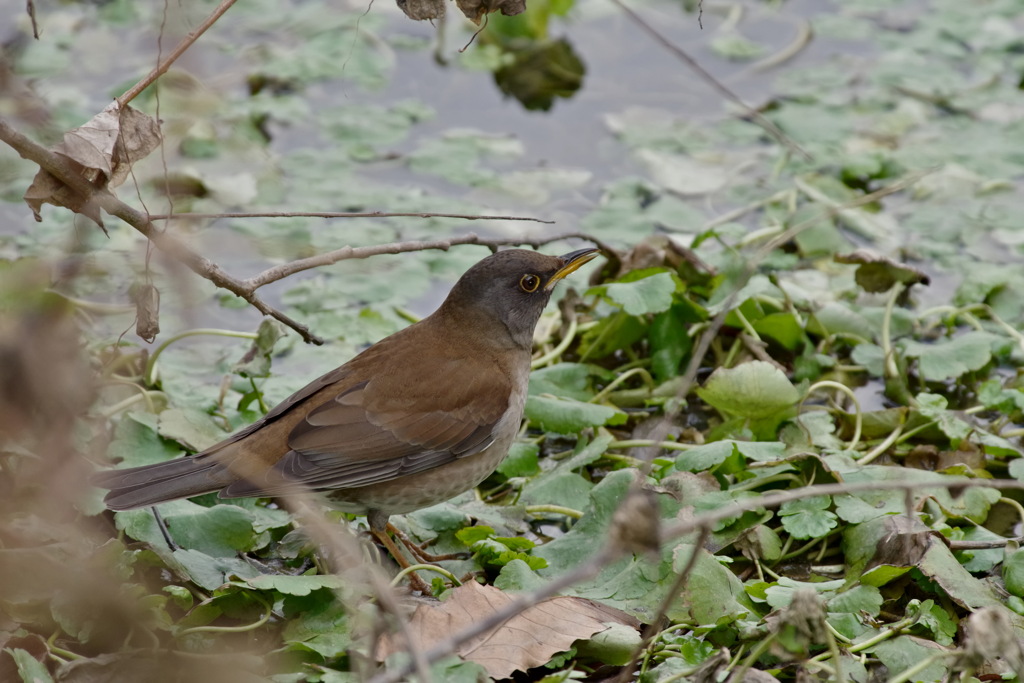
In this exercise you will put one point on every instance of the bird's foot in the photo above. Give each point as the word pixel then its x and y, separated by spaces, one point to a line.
pixel 415 582
pixel 419 551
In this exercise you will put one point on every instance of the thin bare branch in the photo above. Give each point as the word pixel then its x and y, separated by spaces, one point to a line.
pixel 185 44
pixel 341 214
pixel 759 118
pixel 345 253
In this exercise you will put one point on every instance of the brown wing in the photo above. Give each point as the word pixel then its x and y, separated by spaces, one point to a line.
pixel 386 426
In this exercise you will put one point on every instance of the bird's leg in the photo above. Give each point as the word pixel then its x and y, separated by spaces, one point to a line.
pixel 379 529
pixel 419 551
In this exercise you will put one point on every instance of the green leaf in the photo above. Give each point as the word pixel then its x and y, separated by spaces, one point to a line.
pixel 941 361
pixel 568 380
pixel 935 620
pixel 761 451
pixel 517 575
pixel 1016 469
pixel 521 461
pixel 256 362
pixel 613 646
pixel 221 530
pixel 617 331
pixel 181 596
pixel 568 416
pixel 317 624
pixel 669 342
pixel 761 542
pixel 871 356
pixel 753 390
pixel 781 594
pixel 863 598
pixel 713 592
pixel 980 561
pixel 835 318
pixel 903 652
pixel 652 294
pixel 994 396
pixel 471 534
pixel 294 585
pixel 701 458
pixel 30 669
pixel 568 488
pixel 808 517
pixel 882 574
pixel 191 427
pixel 1013 572
pixel 212 572
pixel 861 507
pixel 782 327
pixel 136 442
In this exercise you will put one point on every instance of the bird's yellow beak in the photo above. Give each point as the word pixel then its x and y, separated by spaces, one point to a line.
pixel 571 262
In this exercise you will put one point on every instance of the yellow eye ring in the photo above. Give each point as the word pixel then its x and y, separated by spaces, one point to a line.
pixel 529 283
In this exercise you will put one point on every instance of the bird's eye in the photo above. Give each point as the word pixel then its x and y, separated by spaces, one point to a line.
pixel 529 283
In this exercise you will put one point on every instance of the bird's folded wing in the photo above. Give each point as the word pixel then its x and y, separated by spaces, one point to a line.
pixel 361 437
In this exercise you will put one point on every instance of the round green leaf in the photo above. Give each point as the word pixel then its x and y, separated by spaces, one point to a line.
pixel 1013 573
pixel 754 390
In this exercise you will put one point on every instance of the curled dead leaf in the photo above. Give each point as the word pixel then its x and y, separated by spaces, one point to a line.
pixel 476 9
pixel 990 636
pixel 877 273
pixel 526 640
pixel 102 150
pixel 419 10
pixel 147 311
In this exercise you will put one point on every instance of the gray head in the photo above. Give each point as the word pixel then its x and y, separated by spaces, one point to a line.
pixel 512 287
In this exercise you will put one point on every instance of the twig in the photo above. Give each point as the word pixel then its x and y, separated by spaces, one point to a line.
pixel 185 44
pixel 957 546
pixel 803 38
pixel 346 214
pixel 344 253
pixel 757 116
pixel 30 9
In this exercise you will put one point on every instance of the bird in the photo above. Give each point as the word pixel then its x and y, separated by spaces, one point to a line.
pixel 419 417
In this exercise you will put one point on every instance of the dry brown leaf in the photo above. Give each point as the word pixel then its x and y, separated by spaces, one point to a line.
pixel 147 311
pixel 905 543
pixel 526 640
pixel 476 9
pixel 419 10
pixel 877 273
pixel 102 150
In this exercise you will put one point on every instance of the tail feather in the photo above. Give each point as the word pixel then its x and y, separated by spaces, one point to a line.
pixel 137 487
